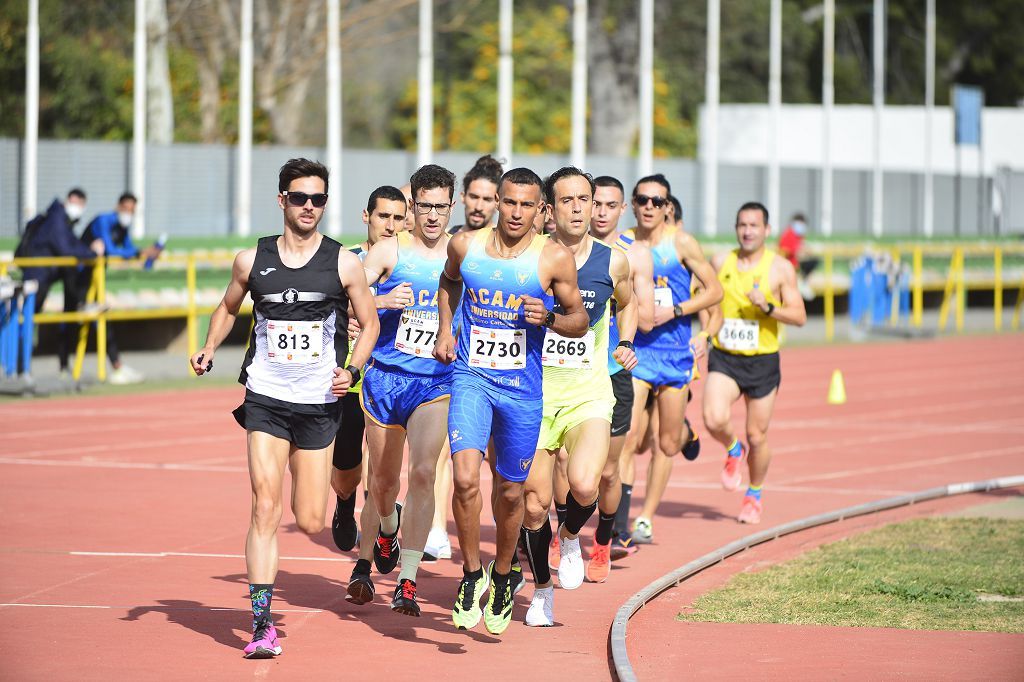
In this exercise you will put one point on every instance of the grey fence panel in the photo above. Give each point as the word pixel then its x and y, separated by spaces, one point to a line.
pixel 189 189
pixel 10 187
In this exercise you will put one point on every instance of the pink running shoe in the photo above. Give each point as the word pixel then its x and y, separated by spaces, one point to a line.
pixel 750 512
pixel 731 474
pixel 264 642
pixel 554 553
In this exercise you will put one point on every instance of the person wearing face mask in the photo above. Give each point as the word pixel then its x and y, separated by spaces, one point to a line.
pixel 791 247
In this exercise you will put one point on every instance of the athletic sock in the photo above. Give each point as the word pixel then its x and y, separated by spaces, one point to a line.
pixel 735 450
pixel 622 513
pixel 560 510
pixel 260 596
pixel 537 543
pixel 576 515
pixel 389 524
pixel 604 528
pixel 362 566
pixel 473 575
pixel 755 492
pixel 410 564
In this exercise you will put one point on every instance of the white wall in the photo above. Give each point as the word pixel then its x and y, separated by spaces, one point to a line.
pixel 743 138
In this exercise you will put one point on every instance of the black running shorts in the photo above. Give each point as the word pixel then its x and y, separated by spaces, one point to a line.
pixel 756 375
pixel 622 413
pixel 307 427
pixel 348 446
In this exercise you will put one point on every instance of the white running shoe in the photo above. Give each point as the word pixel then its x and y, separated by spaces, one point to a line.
pixel 571 567
pixel 542 608
pixel 124 375
pixel 643 531
pixel 438 544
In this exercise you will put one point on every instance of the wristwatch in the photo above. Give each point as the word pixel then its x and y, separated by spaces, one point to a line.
pixel 355 372
pixel 626 344
pixel 677 310
pixel 771 307
pixel 549 318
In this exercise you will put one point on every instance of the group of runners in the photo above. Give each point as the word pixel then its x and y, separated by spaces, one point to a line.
pixel 555 358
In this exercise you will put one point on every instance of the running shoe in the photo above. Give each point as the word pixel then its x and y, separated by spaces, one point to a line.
pixel 264 642
pixel 554 554
pixel 570 567
pixel 600 562
pixel 466 613
pixel 387 550
pixel 731 474
pixel 438 545
pixel 498 612
pixel 541 613
pixel 623 546
pixel 404 601
pixel 360 586
pixel 750 512
pixel 344 527
pixel 691 448
pixel 643 531
pixel 518 581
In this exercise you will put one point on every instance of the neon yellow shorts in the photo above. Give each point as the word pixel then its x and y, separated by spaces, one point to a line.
pixel 558 420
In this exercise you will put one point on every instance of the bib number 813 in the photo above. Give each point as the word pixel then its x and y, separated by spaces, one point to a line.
pixel 293 341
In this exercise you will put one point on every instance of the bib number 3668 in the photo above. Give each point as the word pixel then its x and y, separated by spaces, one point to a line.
pixel 501 349
pixel 739 335
pixel 295 342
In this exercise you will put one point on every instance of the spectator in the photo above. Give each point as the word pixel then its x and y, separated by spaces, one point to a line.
pixel 791 246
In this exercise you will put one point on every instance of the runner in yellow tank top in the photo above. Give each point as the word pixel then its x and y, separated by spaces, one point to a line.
pixel 760 292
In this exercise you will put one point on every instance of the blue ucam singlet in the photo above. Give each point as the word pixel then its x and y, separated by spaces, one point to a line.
pixel 495 342
pixel 622 243
pixel 665 350
pixel 407 336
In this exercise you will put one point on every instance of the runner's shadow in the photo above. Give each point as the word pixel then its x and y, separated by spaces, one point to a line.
pixel 324 538
pixel 688 510
pixel 220 625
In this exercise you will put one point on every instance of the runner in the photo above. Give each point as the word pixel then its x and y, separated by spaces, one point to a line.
pixel 406 190
pixel 760 292
pixel 301 283
pixel 612 539
pixel 406 390
pixel 665 355
pixel 578 398
pixel 496 391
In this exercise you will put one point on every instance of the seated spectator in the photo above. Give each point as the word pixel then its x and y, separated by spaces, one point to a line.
pixel 791 247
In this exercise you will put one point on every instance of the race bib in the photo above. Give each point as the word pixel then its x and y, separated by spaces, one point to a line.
pixel 663 297
pixel 739 335
pixel 294 342
pixel 559 351
pixel 417 331
pixel 500 349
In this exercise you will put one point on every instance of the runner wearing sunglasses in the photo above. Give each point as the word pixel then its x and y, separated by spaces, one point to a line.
pixel 301 283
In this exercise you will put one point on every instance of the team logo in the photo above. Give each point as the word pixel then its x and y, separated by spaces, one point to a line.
pixel 455 436
pixel 267 271
pixel 435 274
pixel 522 276
pixel 663 259
pixel 409 267
pixel 524 464
pixel 290 295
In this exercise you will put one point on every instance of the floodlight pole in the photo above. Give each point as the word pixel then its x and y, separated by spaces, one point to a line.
pixel 775 106
pixel 505 66
pixel 646 81
pixel 827 100
pixel 709 123
pixel 929 111
pixel 30 205
pixel 334 113
pixel 139 86
pixel 579 84
pixel 878 100
pixel 243 209
pixel 425 102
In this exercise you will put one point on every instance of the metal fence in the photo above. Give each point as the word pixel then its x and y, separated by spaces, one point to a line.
pixel 190 188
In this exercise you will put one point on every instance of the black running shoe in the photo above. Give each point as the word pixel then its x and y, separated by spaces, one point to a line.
pixel 404 601
pixel 360 586
pixel 343 526
pixel 691 448
pixel 387 550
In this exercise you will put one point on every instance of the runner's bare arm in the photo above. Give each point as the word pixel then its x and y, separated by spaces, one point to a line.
pixel 792 310
pixel 691 255
pixel 626 309
pixel 379 264
pixel 559 266
pixel 641 266
pixel 449 293
pixel 223 318
pixel 711 319
pixel 352 278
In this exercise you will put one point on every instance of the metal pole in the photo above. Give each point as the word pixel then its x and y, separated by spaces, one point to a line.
pixel 709 124
pixel 139 122
pixel 334 112
pixel 425 108
pixel 827 100
pixel 579 84
pixel 505 67
pixel 929 110
pixel 646 79
pixel 31 199
pixel 775 107
pixel 878 100
pixel 243 209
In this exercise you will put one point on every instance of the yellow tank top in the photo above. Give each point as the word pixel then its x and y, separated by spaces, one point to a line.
pixel 746 329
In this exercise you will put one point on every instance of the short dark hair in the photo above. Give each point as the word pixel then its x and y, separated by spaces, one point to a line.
pixel 77 192
pixel 609 181
pixel 522 176
pixel 127 196
pixel 432 176
pixel 658 178
pixel 753 206
pixel 560 174
pixel 300 168
pixel 677 206
pixel 799 216
pixel 486 168
pixel 385 192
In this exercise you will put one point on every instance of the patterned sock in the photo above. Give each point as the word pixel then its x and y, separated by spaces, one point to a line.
pixel 260 595
pixel 755 492
pixel 735 450
pixel 604 528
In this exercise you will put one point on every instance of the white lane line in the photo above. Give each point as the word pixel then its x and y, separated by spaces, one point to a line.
pixel 204 555
pixel 856 492
pixel 100 464
pixel 151 607
pixel 130 445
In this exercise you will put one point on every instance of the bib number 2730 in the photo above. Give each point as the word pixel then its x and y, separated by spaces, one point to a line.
pixel 501 349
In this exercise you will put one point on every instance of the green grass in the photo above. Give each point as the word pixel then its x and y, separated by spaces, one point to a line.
pixel 924 574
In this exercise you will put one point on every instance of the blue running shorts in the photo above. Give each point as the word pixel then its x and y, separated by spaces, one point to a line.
pixel 390 395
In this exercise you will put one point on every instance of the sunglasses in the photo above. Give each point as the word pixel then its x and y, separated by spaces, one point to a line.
pixel 299 199
pixel 642 199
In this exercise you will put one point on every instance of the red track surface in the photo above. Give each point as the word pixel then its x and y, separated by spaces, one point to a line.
pixel 123 520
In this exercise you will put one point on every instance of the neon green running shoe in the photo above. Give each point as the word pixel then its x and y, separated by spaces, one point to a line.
pixel 518 581
pixel 466 613
pixel 498 613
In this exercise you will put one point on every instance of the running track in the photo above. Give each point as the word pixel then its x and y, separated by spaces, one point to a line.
pixel 122 522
